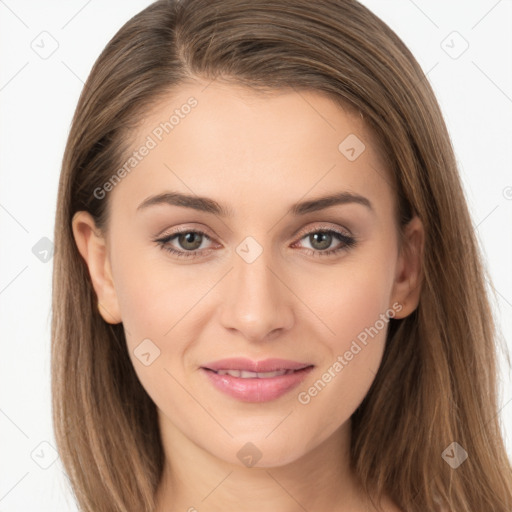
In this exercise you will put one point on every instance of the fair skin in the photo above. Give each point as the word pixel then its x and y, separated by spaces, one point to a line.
pixel 256 155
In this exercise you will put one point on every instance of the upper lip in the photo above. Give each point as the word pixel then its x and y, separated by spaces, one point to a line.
pixel 266 365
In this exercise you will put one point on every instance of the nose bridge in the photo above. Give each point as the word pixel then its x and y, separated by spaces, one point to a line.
pixel 257 302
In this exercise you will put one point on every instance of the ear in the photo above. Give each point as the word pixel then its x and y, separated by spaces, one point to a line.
pixel 92 246
pixel 409 273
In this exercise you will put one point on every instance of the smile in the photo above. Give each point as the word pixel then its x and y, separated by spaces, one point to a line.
pixel 255 381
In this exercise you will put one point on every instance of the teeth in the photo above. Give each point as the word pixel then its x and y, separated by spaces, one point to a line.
pixel 253 375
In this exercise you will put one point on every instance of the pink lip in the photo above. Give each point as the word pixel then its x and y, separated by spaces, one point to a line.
pixel 256 389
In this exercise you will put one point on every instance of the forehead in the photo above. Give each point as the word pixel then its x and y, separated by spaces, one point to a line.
pixel 233 143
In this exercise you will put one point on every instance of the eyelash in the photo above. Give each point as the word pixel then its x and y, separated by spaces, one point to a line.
pixel 348 242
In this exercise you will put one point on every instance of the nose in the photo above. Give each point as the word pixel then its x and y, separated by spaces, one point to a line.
pixel 257 302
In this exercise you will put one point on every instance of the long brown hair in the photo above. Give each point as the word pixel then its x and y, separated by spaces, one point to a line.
pixel 437 383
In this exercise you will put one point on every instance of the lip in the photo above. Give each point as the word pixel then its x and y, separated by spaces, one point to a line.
pixel 266 365
pixel 256 389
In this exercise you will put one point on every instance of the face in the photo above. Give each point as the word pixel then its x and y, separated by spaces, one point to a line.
pixel 252 265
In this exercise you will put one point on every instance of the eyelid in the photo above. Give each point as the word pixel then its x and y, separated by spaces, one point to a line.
pixel 169 233
pixel 322 227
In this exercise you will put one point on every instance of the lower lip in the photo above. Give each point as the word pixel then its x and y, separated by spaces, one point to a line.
pixel 257 390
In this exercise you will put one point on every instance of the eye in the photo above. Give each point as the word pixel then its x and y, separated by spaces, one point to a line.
pixel 321 241
pixel 189 239
pixel 189 242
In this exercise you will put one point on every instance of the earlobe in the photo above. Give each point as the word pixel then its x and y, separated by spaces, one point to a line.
pixel 92 246
pixel 409 275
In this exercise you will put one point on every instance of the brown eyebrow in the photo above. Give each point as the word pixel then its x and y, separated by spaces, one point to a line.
pixel 207 205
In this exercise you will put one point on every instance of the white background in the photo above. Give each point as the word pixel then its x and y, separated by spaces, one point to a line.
pixel 38 97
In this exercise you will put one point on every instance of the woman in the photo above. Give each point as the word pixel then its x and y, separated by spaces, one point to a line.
pixel 267 290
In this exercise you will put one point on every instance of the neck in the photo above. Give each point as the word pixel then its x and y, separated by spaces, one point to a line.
pixel 195 480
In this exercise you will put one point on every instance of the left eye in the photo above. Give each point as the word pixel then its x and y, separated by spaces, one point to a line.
pixel 190 242
pixel 324 239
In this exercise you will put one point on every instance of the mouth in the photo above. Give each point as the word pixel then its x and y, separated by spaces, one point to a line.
pixel 249 366
pixel 256 381
pixel 245 374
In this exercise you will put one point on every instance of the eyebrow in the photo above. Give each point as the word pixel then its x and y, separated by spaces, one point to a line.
pixel 205 204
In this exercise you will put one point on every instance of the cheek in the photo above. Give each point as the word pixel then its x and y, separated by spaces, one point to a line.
pixel 145 301
pixel 151 307
pixel 151 300
pixel 352 297
pixel 149 292
pixel 161 307
pixel 357 311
